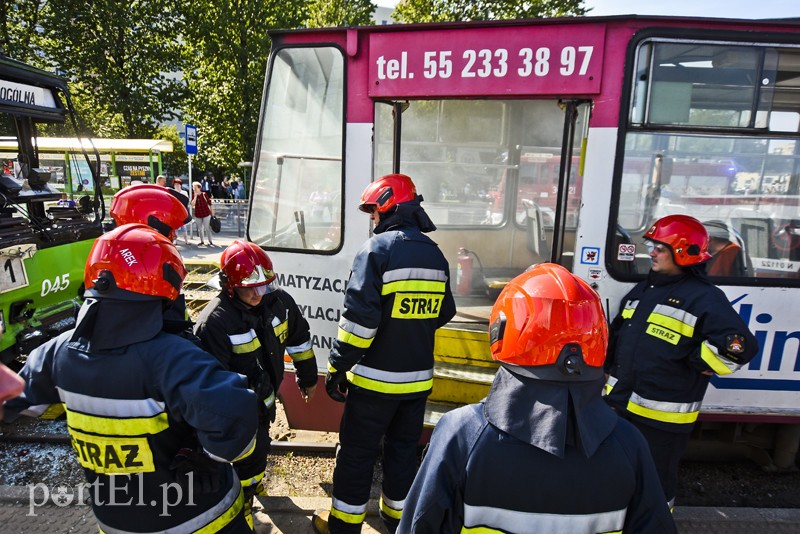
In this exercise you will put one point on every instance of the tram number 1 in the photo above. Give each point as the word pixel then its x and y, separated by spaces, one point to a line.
pixel 12 276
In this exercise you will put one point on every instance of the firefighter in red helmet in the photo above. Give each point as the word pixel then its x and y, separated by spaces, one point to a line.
pixel 161 412
pixel 163 209
pixel 674 330
pixel 532 455
pixel 249 326
pixel 382 359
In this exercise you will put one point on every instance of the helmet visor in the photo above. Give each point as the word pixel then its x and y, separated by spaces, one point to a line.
pixel 368 208
pixel 258 277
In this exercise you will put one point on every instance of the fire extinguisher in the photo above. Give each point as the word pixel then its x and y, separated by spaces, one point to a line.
pixel 464 273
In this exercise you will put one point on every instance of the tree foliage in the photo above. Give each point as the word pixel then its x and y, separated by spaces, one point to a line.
pixel 120 57
pixel 228 46
pixel 410 11
pixel 19 21
pixel 330 13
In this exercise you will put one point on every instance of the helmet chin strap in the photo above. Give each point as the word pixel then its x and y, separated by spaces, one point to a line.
pixel 569 367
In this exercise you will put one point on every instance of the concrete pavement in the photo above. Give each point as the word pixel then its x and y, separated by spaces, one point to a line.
pixel 292 515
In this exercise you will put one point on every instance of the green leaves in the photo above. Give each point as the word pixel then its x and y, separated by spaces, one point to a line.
pixel 410 11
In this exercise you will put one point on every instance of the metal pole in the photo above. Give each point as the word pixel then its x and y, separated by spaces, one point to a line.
pixel 191 189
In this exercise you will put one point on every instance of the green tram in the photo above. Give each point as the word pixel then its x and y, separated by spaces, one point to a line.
pixel 44 239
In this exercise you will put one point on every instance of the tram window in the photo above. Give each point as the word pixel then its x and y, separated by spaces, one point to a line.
pixel 753 197
pixel 710 135
pixel 467 157
pixel 716 86
pixel 297 199
pixel 457 154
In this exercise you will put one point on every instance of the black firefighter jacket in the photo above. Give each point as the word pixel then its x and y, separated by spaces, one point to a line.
pixel 130 409
pixel 252 341
pixel 397 296
pixel 536 456
pixel 669 331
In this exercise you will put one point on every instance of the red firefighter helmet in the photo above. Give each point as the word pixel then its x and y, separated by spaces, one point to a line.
pixel 245 264
pixel 140 259
pixel 149 204
pixel 686 236
pixel 387 192
pixel 549 317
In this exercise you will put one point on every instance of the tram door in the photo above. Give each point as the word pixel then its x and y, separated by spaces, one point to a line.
pixel 489 171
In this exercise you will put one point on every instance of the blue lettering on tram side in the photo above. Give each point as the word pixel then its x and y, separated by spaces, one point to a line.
pixel 779 342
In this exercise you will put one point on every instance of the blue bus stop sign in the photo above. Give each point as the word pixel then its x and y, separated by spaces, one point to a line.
pixel 191 139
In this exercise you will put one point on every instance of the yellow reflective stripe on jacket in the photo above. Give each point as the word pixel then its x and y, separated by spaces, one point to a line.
pixel 353 514
pixel 479 519
pixel 414 273
pixel 212 520
pixel 353 339
pixel 244 343
pixel 673 318
pixel 108 426
pixel 270 400
pixel 107 407
pixel 393 509
pixel 630 307
pixel 300 353
pixel 610 383
pixel 252 481
pixel 248 450
pixel 355 334
pixel 666 412
pixel 302 356
pixel 413 285
pixel 281 329
pixel 390 382
pixel 719 363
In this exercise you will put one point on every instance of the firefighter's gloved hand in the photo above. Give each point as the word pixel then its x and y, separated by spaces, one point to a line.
pixel 336 385
pixel 195 471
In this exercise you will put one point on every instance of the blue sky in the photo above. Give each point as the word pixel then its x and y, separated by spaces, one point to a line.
pixel 747 9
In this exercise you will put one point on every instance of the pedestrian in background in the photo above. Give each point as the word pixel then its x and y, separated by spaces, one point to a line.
pixel 203 210
pixel 177 185
pixel 673 331
pixel 382 359
pixel 542 452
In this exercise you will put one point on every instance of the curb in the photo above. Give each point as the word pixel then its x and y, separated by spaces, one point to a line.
pixel 308 505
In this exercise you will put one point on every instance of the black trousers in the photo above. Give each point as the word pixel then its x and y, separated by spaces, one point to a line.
pixel 368 419
pixel 667 448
